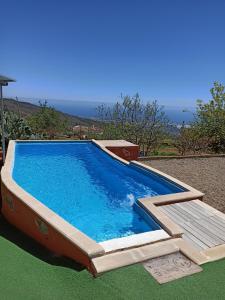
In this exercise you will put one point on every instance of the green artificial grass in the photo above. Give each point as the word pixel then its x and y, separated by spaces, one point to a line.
pixel 28 271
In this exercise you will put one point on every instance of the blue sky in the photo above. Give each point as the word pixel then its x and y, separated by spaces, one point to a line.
pixel 94 50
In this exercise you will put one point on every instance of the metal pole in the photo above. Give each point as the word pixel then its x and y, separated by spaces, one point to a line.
pixel 2 125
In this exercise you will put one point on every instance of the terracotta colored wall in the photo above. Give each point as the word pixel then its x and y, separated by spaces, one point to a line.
pixel 1 164
pixel 128 153
pixel 25 219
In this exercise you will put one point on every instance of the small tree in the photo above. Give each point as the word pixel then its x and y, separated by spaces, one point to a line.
pixel 132 120
pixel 155 127
pixel 211 118
pixel 47 122
pixel 189 140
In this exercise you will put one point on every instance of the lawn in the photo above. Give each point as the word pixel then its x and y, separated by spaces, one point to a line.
pixel 28 271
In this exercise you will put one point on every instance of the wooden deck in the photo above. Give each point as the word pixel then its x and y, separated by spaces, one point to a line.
pixel 203 228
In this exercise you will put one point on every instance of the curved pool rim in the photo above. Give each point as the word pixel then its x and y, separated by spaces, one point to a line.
pixel 52 231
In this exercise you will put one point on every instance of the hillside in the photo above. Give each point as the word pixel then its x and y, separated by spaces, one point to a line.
pixel 25 109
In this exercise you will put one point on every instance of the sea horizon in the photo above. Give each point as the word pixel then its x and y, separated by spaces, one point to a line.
pixel 88 109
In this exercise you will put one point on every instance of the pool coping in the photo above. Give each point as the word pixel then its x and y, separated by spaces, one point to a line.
pixel 87 245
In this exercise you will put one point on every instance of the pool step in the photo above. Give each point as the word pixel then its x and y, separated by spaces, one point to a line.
pixel 134 240
pixel 132 256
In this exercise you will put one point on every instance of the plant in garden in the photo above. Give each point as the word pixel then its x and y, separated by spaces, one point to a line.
pixel 211 118
pixel 47 122
pixel 190 141
pixel 15 127
pixel 132 120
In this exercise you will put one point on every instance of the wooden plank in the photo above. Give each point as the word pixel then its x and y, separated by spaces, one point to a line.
pixel 187 235
pixel 215 219
pixel 199 234
pixel 195 210
pixel 203 208
pixel 213 232
pixel 187 238
pixel 219 220
pixel 184 213
pixel 188 210
pixel 208 208
pixel 215 223
pixel 177 219
pixel 212 237
pixel 202 228
pixel 177 212
pixel 192 216
pixel 190 241
pixel 198 209
pixel 212 229
pixel 193 240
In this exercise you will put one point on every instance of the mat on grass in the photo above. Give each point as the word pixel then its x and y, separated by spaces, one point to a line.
pixel 170 267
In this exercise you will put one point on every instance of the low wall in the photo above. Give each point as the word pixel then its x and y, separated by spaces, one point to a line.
pixel 125 150
pixel 128 153
pixel 29 222
pixel 158 157
pixel 1 164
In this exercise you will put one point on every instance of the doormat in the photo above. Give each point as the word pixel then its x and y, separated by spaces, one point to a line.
pixel 170 267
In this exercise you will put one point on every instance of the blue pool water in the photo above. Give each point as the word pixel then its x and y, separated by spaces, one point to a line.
pixel 88 188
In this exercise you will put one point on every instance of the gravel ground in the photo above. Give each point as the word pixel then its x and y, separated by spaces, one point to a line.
pixel 205 174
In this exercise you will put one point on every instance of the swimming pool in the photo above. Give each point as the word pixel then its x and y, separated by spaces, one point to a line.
pixel 88 188
pixel 81 200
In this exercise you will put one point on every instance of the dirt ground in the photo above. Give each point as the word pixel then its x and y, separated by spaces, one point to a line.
pixel 205 174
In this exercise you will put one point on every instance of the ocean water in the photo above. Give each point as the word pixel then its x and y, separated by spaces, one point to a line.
pixel 89 189
pixel 88 109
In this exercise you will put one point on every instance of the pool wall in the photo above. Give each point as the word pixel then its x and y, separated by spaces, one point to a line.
pixel 122 148
pixel 49 229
